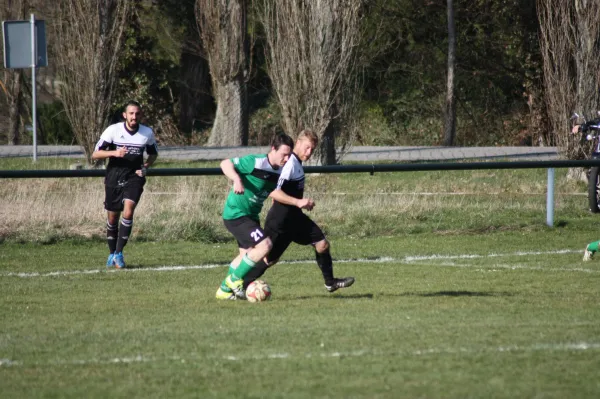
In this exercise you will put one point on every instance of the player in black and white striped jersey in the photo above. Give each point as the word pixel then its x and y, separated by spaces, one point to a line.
pixel 124 145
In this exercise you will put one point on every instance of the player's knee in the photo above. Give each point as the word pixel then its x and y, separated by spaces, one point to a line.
pixel 322 246
pixel 265 246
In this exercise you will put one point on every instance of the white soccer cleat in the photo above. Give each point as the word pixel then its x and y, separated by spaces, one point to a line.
pixel 587 254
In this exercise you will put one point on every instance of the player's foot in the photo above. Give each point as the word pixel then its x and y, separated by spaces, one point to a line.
pixel 236 286
pixel 224 295
pixel 119 260
pixel 110 262
pixel 587 254
pixel 338 283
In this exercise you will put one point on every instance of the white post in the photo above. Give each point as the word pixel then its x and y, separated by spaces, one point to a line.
pixel 550 199
pixel 33 89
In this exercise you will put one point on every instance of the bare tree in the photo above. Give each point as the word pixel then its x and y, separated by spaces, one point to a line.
pixel 89 37
pixel 12 82
pixel 311 59
pixel 570 44
pixel 222 25
pixel 450 114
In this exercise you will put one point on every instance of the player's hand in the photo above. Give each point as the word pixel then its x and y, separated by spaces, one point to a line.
pixel 238 186
pixel 120 152
pixel 575 129
pixel 141 172
pixel 306 203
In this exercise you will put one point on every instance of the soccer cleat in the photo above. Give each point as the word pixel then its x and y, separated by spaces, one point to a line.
pixel 110 262
pixel 224 295
pixel 340 283
pixel 587 254
pixel 119 261
pixel 236 286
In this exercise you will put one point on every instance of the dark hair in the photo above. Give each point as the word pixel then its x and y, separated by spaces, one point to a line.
pixel 132 102
pixel 282 139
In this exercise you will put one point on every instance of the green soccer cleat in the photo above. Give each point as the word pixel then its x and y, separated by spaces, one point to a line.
pixel 224 295
pixel 236 286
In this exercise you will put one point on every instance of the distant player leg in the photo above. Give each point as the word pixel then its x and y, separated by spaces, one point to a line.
pixel 124 232
pixel 112 231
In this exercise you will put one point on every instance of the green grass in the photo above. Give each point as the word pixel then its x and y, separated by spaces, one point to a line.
pixel 496 315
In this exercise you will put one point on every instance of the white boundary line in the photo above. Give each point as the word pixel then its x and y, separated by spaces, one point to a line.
pixel 406 259
pixel 193 358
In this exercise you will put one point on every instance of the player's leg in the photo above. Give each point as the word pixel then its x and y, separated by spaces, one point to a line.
pixel 132 194
pixel 308 232
pixel 280 243
pixel 250 235
pixel 235 280
pixel 224 292
pixel 113 202
pixel 325 263
pixel 590 250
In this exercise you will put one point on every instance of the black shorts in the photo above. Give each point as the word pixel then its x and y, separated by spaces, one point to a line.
pixel 299 229
pixel 116 195
pixel 246 231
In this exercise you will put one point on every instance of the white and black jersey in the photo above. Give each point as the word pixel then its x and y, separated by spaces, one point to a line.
pixel 119 170
pixel 291 182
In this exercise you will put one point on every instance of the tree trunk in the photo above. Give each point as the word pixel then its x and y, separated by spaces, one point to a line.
pixel 194 99
pixel 231 121
pixel 450 114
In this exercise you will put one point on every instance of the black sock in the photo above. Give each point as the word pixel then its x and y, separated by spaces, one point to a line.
pixel 112 232
pixel 326 265
pixel 124 232
pixel 258 270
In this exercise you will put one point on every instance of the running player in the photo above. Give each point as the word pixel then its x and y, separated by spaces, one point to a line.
pixel 124 144
pixel 254 178
pixel 286 224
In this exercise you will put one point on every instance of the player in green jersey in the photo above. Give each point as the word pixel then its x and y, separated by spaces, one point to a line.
pixel 254 179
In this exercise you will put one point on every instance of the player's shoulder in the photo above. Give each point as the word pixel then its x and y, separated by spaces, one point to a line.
pixel 249 158
pixel 114 128
pixel 145 130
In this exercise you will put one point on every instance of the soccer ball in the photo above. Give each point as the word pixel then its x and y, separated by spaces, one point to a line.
pixel 258 291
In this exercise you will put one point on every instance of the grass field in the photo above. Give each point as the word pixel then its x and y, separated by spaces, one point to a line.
pixel 462 291
pixel 499 315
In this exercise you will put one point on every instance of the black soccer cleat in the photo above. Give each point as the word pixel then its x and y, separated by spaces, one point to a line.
pixel 340 283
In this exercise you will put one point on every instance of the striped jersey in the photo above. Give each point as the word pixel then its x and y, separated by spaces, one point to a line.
pixel 259 179
pixel 291 182
pixel 119 170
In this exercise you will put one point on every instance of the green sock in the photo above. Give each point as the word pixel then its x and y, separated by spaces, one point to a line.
pixel 243 268
pixel 224 286
pixel 593 246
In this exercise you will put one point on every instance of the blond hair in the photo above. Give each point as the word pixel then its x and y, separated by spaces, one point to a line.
pixel 308 134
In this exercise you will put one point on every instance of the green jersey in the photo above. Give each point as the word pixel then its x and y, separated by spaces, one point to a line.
pixel 259 179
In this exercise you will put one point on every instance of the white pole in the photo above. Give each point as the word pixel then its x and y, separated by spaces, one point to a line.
pixel 550 199
pixel 33 89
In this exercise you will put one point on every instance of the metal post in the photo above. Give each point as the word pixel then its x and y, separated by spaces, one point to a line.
pixel 550 199
pixel 33 88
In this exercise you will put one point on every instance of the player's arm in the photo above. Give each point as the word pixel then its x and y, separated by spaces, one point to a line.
pixel 101 151
pixel 152 152
pixel 229 170
pixel 303 203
